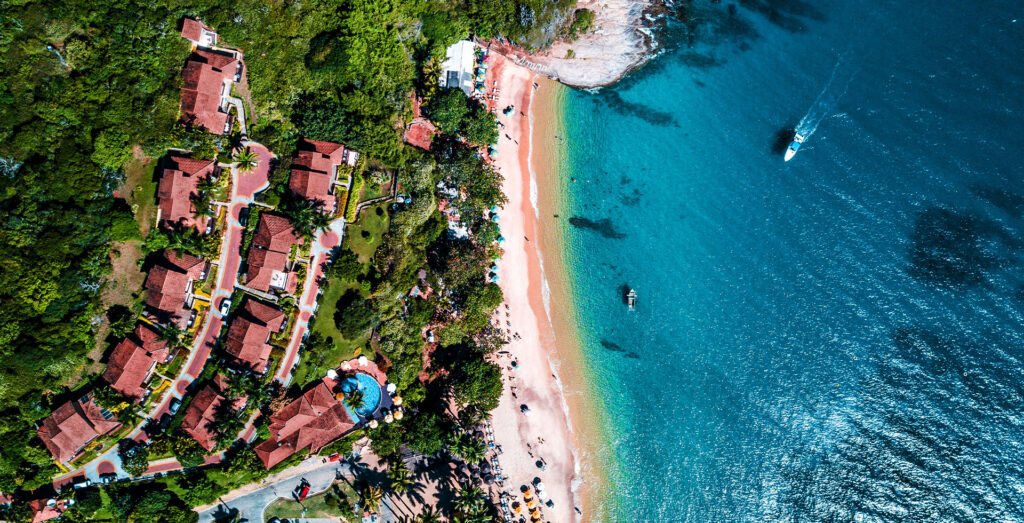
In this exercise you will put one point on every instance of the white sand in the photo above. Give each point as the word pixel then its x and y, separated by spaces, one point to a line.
pixel 521 280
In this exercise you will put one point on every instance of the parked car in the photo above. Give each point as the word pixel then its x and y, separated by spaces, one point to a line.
pixel 335 456
pixel 225 306
pixel 82 483
pixel 304 491
pixel 175 405
pixel 107 479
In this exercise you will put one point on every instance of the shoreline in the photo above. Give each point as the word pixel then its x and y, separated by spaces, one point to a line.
pixel 620 41
pixel 542 381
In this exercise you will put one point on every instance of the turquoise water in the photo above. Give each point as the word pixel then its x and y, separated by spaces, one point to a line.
pixel 835 338
pixel 371 394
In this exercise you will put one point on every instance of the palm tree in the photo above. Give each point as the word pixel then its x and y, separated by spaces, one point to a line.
pixel 428 516
pixel 372 497
pixel 306 216
pixel 469 500
pixel 401 479
pixel 174 336
pixel 354 399
pixel 246 160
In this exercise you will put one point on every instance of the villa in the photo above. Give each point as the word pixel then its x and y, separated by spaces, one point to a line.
pixel 315 171
pixel 248 339
pixel 206 89
pixel 74 425
pixel 169 287
pixel 201 415
pixel 197 33
pixel 179 184
pixel 269 261
pixel 457 68
pixel 134 360
pixel 310 422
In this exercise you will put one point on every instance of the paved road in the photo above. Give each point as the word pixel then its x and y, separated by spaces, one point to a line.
pixel 244 188
pixel 251 506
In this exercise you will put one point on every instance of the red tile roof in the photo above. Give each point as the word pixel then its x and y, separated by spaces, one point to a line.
pixel 313 170
pixel 133 361
pixel 192 29
pixel 179 184
pixel 201 415
pixel 72 426
pixel 202 83
pixel 310 422
pixel 168 284
pixel 43 512
pixel 247 339
pixel 271 248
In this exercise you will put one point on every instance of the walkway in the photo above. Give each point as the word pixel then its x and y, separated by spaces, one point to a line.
pixel 244 188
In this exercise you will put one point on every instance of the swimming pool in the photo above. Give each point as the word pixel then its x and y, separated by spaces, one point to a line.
pixel 371 394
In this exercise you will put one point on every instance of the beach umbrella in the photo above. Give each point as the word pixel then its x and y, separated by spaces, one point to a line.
pixel 346 366
pixel 332 374
pixel 535 514
pixel 373 424
pixel 541 494
pixel 389 418
pixel 494 208
pixel 489 479
pixel 362 361
pixel 518 509
pixel 501 239
pixel 540 486
pixel 495 278
pixel 495 218
pixel 392 388
pixel 399 415
pixel 494 153
pixel 531 504
pixel 398 400
pixel 494 268
pixel 480 89
pixel 527 495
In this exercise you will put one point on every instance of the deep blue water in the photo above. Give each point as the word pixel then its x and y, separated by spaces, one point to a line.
pixel 836 338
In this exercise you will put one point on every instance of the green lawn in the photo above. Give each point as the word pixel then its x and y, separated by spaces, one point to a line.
pixel 373 225
pixel 313 506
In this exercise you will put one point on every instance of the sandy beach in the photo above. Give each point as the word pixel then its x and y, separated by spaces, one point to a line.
pixel 544 434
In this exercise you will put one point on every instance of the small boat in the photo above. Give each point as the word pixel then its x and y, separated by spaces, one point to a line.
pixel 794 146
pixel 631 299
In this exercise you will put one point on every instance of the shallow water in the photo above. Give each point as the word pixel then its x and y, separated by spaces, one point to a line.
pixel 834 338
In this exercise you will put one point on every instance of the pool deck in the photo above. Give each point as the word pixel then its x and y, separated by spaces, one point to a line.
pixel 370 369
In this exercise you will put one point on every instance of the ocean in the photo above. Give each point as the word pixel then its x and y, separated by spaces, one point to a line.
pixel 836 338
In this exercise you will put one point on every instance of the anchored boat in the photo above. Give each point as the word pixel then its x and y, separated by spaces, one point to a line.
pixel 631 299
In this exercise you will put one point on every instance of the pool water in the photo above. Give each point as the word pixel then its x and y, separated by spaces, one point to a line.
pixel 371 394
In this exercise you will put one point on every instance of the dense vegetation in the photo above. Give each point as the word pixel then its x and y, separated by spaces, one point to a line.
pixel 88 86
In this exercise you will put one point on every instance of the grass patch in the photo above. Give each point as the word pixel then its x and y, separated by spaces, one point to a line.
pixel 314 506
pixel 364 236
pixel 312 364
pixel 174 367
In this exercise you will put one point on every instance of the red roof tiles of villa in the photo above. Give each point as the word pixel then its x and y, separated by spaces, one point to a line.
pixel 73 425
pixel 179 184
pixel 310 422
pixel 168 282
pixel 247 339
pixel 203 84
pixel 133 360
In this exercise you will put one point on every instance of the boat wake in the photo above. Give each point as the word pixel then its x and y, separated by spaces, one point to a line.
pixel 824 104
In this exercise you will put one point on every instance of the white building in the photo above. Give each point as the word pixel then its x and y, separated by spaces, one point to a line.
pixel 457 69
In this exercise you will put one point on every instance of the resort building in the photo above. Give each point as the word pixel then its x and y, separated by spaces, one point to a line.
pixel 201 416
pixel 310 422
pixel 74 425
pixel 179 185
pixel 457 68
pixel 47 509
pixel 420 132
pixel 206 89
pixel 169 287
pixel 315 171
pixel 269 261
pixel 248 339
pixel 197 33
pixel 134 360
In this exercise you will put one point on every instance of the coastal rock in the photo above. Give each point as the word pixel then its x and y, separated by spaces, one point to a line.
pixel 617 44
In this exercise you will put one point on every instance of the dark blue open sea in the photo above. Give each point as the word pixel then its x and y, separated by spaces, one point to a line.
pixel 837 338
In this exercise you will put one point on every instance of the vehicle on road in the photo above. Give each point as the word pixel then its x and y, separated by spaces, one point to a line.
pixel 304 491
pixel 175 405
